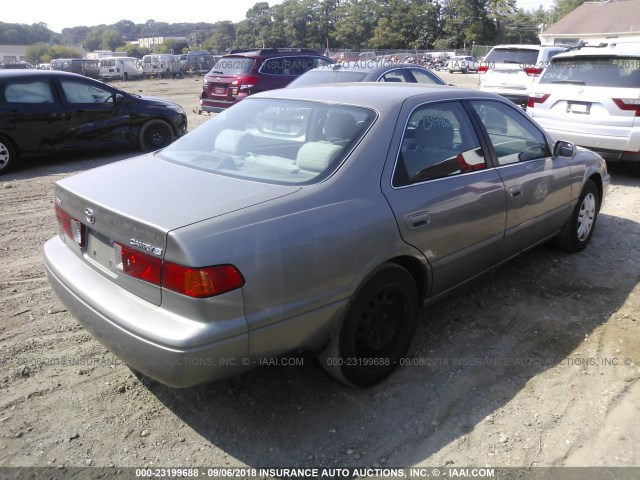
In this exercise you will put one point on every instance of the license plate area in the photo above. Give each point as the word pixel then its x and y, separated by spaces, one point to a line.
pixel 220 90
pixel 99 251
pixel 581 108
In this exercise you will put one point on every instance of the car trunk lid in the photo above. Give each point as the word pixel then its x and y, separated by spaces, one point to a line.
pixel 137 204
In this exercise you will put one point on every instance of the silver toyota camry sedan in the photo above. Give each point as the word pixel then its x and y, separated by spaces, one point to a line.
pixel 317 219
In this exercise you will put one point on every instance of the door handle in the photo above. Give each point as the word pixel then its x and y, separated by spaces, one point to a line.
pixel 515 191
pixel 417 220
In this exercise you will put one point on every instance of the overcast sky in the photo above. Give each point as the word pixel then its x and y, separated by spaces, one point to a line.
pixel 72 13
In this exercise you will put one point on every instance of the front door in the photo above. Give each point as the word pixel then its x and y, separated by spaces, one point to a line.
pixel 537 184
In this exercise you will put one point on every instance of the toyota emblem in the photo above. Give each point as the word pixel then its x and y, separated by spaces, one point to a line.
pixel 89 215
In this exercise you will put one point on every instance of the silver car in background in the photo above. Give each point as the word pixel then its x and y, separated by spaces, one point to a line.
pixel 315 219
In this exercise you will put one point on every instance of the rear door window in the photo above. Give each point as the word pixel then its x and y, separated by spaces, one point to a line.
pixel 439 141
pixel 33 91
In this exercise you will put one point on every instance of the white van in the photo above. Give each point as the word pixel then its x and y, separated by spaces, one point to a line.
pixel 161 65
pixel 122 68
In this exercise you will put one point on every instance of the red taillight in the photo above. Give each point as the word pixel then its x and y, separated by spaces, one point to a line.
pixel 71 226
pixel 193 282
pixel 137 264
pixel 536 98
pixel 533 71
pixel 628 104
pixel 201 282
pixel 248 82
pixel 483 68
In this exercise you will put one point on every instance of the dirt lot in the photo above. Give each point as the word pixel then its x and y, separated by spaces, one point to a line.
pixel 535 364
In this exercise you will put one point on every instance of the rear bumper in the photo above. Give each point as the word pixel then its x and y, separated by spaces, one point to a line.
pixel 191 353
pixel 217 105
pixel 612 148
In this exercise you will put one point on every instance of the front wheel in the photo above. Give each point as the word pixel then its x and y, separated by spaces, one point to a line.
pixel 154 135
pixel 375 330
pixel 8 156
pixel 577 232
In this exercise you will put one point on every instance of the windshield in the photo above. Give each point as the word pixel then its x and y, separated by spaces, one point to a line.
pixel 316 78
pixel 594 71
pixel 279 141
pixel 233 66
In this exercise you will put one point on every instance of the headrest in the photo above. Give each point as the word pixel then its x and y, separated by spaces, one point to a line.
pixel 340 126
pixel 234 142
pixel 317 156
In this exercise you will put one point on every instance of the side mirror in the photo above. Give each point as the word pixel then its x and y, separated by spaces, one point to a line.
pixel 119 99
pixel 564 149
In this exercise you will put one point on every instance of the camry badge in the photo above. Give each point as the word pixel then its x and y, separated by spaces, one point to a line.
pixel 146 247
pixel 89 215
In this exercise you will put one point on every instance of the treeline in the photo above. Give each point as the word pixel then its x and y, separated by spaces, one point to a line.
pixel 321 24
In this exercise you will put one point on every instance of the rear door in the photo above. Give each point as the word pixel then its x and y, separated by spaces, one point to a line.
pixel 31 114
pixel 448 200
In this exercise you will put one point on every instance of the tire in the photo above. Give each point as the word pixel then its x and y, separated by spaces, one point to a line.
pixel 125 77
pixel 577 232
pixel 154 135
pixel 375 330
pixel 8 156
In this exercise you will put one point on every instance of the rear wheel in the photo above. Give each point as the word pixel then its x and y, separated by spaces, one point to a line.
pixel 155 134
pixel 375 330
pixel 8 156
pixel 576 234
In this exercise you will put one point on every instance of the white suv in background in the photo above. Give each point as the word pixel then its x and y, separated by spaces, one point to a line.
pixel 591 97
pixel 510 70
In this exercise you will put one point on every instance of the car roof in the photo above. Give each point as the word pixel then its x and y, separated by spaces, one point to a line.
pixel 34 72
pixel 380 96
pixel 522 46
pixel 269 52
pixel 625 49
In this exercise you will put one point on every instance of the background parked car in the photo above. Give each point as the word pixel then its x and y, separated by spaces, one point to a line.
pixel 161 65
pixel 49 111
pixel 367 71
pixel 510 70
pixel 314 219
pixel 198 62
pixel 120 68
pixel 591 97
pixel 463 64
pixel 81 66
pixel 241 73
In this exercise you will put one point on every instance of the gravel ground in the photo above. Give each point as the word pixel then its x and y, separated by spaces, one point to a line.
pixel 535 364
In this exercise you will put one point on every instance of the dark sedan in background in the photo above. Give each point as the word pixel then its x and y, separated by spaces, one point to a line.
pixel 368 71
pixel 46 112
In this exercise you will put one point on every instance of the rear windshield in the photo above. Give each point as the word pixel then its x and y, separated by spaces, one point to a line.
pixel 316 78
pixel 233 66
pixel 279 141
pixel 518 56
pixel 596 71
